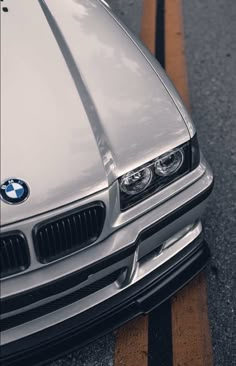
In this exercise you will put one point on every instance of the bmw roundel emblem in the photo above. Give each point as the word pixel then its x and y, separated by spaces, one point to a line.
pixel 14 191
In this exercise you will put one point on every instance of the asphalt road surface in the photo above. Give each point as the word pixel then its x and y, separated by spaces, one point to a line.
pixel 210 31
pixel 210 40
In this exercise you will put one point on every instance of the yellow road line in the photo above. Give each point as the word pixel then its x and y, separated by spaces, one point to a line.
pixel 148 25
pixel 190 326
pixel 175 63
pixel 132 343
pixel 191 337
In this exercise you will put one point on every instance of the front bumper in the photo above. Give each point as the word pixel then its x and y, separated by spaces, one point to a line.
pixel 153 280
pixel 137 299
pixel 128 274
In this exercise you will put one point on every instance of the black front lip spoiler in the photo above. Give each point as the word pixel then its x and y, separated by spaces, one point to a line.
pixel 139 299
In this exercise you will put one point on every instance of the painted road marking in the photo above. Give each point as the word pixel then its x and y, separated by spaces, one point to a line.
pixel 175 64
pixel 148 26
pixel 132 343
pixel 190 325
pixel 177 333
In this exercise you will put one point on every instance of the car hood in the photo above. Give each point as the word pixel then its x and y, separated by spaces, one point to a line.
pixel 80 103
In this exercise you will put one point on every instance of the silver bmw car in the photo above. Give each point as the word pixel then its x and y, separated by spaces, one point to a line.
pixel 103 184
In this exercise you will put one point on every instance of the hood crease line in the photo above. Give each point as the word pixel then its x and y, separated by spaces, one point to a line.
pixel 89 107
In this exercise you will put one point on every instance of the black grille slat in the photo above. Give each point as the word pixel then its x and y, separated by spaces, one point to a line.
pixel 96 219
pixel 75 226
pixel 73 234
pixel 69 226
pixel 90 223
pixel 52 236
pixel 60 241
pixel 44 242
pixel 81 235
pixel 47 237
pixel 20 253
pixel 86 234
pixel 6 257
pixel 14 254
pixel 66 234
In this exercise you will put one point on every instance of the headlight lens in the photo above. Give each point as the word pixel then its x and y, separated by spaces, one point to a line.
pixel 169 163
pixel 135 182
pixel 150 178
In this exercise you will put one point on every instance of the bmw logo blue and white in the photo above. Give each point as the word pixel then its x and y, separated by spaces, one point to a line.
pixel 14 191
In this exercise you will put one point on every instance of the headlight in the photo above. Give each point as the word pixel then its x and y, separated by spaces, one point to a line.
pixel 148 179
pixel 169 163
pixel 135 182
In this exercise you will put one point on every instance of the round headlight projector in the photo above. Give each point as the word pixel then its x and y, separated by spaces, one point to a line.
pixel 169 163
pixel 135 182
pixel 138 180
